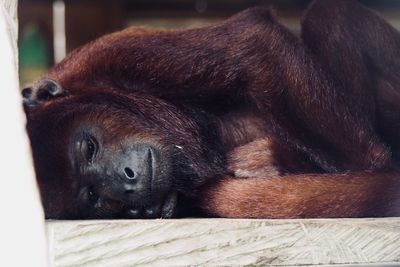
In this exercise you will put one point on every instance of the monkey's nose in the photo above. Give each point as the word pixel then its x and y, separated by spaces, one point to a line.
pixel 129 173
pixel 138 168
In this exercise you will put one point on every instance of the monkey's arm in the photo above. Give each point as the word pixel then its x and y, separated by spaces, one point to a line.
pixel 249 55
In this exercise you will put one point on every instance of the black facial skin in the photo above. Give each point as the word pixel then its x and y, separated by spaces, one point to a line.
pixel 109 156
pixel 132 175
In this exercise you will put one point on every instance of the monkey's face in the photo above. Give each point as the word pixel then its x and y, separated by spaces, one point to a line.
pixel 127 175
pixel 113 156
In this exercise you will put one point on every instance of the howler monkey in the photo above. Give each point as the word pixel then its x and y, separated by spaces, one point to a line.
pixel 239 119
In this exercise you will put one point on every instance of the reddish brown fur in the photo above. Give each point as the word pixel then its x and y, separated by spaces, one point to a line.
pixel 304 196
pixel 248 91
pixel 254 159
pixel 199 62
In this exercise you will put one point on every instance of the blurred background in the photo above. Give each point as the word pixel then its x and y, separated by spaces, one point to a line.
pixel 50 29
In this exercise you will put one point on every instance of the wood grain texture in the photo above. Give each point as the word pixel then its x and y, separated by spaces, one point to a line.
pixel 210 242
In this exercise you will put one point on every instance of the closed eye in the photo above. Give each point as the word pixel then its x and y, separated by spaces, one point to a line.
pixel 90 147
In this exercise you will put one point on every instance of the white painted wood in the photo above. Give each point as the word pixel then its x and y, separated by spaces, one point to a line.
pixel 227 242
pixel 22 238
pixel 60 38
pixel 9 14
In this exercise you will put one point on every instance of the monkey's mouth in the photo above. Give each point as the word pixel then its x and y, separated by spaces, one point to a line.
pixel 166 209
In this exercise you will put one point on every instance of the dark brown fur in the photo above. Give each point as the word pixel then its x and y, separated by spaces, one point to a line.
pixel 323 105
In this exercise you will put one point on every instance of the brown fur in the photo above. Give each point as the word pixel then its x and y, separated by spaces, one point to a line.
pixel 200 63
pixel 305 196
pixel 309 126
pixel 254 159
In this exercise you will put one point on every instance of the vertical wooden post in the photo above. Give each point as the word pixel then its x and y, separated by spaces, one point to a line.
pixel 22 238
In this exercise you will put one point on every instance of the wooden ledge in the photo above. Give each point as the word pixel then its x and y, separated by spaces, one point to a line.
pixel 228 242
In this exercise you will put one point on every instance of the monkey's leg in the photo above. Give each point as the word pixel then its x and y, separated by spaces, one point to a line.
pixel 311 108
pixel 362 68
pixel 362 51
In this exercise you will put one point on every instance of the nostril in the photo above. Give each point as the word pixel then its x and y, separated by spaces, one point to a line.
pixel 26 92
pixel 129 173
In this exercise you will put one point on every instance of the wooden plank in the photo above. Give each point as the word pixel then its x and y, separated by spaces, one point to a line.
pixel 210 242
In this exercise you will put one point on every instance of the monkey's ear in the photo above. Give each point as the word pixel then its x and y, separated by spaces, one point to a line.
pixel 43 91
